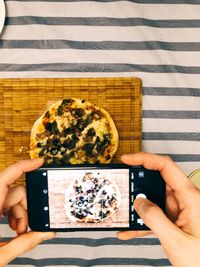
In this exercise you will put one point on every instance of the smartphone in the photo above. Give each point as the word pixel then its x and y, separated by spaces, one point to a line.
pixel 90 197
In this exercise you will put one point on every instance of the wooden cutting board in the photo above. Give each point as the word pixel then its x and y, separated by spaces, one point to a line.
pixel 22 101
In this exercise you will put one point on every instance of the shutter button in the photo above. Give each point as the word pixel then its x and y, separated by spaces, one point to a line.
pixel 141 195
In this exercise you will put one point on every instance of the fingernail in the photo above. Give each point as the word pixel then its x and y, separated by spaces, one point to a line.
pixel 140 204
pixel 141 196
pixel 143 206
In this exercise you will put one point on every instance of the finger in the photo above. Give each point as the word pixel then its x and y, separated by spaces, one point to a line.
pixel 172 205
pixel 13 172
pixel 156 220
pixel 170 172
pixel 22 244
pixel 125 235
pixel 16 195
pixel 2 244
pixel 12 222
pixel 20 215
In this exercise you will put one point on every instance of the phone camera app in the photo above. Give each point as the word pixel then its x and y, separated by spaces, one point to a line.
pixel 88 198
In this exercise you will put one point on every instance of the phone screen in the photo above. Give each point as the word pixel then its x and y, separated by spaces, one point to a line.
pixel 97 197
pixel 89 198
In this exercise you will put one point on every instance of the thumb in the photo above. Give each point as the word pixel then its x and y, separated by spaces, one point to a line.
pixel 22 244
pixel 156 220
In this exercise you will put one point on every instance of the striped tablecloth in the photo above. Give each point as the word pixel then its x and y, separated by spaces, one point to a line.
pixel 156 40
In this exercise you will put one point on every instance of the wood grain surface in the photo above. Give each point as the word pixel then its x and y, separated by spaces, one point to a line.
pixel 22 101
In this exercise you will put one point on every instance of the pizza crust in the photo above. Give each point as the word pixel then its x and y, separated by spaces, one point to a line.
pixel 101 123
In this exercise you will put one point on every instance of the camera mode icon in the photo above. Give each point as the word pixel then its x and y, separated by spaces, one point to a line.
pixel 141 174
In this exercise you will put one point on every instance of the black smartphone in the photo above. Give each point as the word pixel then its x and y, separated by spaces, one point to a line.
pixel 90 197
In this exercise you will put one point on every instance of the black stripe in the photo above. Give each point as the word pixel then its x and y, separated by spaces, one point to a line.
pixel 104 45
pixel 103 241
pixel 168 91
pixel 107 241
pixel 171 136
pixel 86 263
pixel 195 2
pixel 102 21
pixel 184 157
pixel 171 114
pixel 92 67
pixel 4 220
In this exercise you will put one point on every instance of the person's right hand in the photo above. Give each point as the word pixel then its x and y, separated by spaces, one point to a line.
pixel 179 235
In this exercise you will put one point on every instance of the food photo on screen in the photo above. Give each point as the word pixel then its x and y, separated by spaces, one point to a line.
pixel 88 198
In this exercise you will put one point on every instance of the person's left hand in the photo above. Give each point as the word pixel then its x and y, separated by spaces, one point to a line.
pixel 13 205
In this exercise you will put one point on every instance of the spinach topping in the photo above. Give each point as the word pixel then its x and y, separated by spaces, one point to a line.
pixel 56 142
pixel 101 145
pixel 67 102
pixel 88 147
pixel 70 144
pixel 52 127
pixel 82 124
pixel 43 151
pixel 68 130
pixel 78 112
pixel 53 151
pixel 60 110
pixel 39 144
pixel 91 132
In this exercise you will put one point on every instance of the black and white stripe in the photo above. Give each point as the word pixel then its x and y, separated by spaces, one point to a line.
pixel 156 40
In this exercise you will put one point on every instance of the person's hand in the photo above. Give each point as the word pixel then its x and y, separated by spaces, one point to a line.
pixel 179 231
pixel 13 204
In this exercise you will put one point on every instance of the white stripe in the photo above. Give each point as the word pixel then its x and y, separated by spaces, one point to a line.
pixel 169 79
pixel 171 103
pixel 170 147
pixel 37 56
pixel 26 265
pixel 170 125
pixel 113 265
pixel 153 252
pixel 89 33
pixel 118 10
pixel 188 167
pixel 85 234
pixel 149 79
pixel 5 231
pixel 2 15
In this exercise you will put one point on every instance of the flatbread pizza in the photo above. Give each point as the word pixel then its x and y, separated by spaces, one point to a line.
pixel 74 131
pixel 92 198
